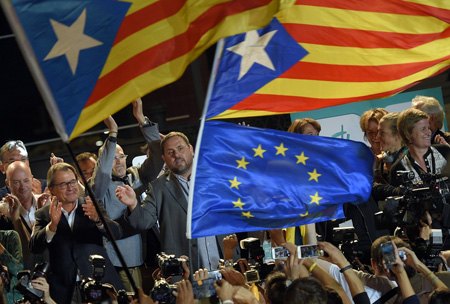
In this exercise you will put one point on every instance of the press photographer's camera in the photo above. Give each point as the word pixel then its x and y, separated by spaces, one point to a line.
pixel 408 210
pixel 162 292
pixel 91 289
pixel 24 282
pixel 169 264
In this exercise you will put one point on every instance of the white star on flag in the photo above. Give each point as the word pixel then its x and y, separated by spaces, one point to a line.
pixel 71 40
pixel 252 50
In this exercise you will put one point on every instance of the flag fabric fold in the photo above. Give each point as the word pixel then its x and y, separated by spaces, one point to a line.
pixel 250 179
pixel 355 52
pixel 96 56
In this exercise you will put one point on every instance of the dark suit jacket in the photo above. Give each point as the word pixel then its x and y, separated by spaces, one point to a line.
pixel 70 250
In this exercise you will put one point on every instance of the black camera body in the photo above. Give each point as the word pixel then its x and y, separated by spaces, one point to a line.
pixel 344 238
pixel 162 292
pixel 408 210
pixel 169 264
pixel 24 282
pixel 93 290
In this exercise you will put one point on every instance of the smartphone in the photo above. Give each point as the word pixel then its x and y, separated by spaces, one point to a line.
pixel 388 254
pixel 279 253
pixel 309 251
pixel 203 289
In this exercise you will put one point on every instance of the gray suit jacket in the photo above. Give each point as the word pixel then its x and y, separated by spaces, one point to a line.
pixel 166 203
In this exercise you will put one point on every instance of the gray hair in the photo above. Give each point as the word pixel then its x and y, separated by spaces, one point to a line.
pixel 12 144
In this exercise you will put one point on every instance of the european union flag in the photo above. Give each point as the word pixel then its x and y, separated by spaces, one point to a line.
pixel 251 179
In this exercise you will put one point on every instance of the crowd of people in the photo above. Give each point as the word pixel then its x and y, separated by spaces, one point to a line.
pixel 56 246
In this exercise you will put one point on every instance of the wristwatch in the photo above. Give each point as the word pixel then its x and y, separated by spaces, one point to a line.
pixel 146 122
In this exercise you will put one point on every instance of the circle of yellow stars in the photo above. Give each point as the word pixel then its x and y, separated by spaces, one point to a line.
pixel 280 150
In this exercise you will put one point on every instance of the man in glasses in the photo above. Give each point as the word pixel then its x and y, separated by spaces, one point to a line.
pixel 69 228
pixel 111 171
pixel 14 150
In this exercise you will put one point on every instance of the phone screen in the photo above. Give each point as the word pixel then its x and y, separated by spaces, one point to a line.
pixel 309 251
pixel 388 254
pixel 279 253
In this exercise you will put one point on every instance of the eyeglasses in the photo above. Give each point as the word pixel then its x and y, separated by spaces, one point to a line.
pixel 63 186
pixel 122 156
pixel 23 159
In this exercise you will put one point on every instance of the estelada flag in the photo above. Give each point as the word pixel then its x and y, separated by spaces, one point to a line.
pixel 356 50
pixel 91 58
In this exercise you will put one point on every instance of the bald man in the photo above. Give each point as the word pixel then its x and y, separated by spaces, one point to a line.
pixel 23 204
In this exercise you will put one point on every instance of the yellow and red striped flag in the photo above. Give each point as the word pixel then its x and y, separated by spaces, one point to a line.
pixel 93 57
pixel 357 50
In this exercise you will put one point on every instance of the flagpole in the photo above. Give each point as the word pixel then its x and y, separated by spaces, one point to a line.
pixel 36 72
pixel 217 56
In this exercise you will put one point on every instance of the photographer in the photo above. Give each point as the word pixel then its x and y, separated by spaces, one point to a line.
pixel 11 262
pixel 422 159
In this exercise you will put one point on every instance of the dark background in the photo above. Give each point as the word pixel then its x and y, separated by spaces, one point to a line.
pixel 177 106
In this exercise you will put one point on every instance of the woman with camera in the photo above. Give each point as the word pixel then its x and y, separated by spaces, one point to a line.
pixel 422 159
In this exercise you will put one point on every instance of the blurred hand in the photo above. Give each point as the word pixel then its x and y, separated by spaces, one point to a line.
pixel 111 124
pixel 55 214
pixel 411 258
pixel 43 200
pixel 277 237
pixel 335 256
pixel 55 160
pixel 14 206
pixel 184 293
pixel 292 266
pixel 127 196
pixel 37 186
pixel 89 210
pixel 425 228
pixel 229 243
pixel 399 265
pixel 224 290
pixel 138 111
pixel 438 139
pixel 233 277
pixel 201 274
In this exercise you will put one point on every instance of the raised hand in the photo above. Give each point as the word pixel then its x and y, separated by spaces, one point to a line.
pixel 14 206
pixel 111 124
pixel 55 214
pixel 55 160
pixel 138 111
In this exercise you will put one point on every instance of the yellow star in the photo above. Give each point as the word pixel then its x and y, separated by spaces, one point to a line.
pixel 301 158
pixel 238 204
pixel 247 214
pixel 242 163
pixel 315 198
pixel 259 151
pixel 234 183
pixel 314 175
pixel 303 215
pixel 281 149
pixel 71 40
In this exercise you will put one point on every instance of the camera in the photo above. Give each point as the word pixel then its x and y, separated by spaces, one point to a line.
pixel 169 264
pixel 344 238
pixel 162 292
pixel 24 282
pixel 255 257
pixel 92 290
pixel 408 210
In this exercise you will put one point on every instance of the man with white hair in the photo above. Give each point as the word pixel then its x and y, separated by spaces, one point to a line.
pixel 10 152
pixel 431 106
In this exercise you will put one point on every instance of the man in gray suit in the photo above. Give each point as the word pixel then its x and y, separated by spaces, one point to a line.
pixel 168 203
pixel 111 171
